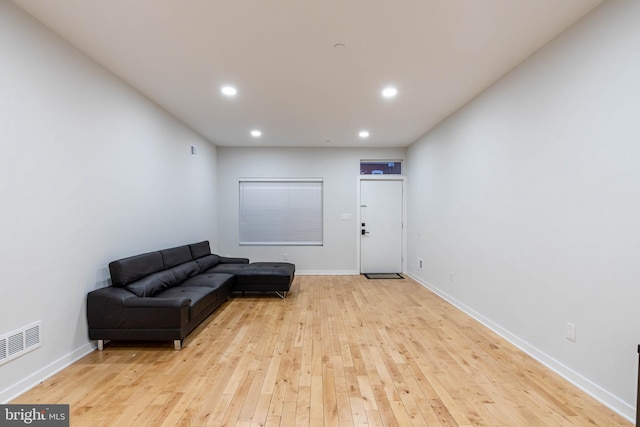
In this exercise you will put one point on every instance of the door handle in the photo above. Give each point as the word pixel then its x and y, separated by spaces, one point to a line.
pixel 363 231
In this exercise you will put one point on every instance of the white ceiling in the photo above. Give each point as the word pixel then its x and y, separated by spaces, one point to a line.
pixel 292 83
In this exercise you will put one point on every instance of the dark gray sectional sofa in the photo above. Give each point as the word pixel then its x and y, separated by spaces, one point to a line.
pixel 164 295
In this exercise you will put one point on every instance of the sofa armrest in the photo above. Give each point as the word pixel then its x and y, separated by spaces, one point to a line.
pixel 117 308
pixel 228 260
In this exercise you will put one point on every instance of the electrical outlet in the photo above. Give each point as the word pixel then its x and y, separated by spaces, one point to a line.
pixel 571 332
pixel 286 257
pixel 451 277
pixel 420 263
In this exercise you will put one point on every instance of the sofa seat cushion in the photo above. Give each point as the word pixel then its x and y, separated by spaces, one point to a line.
pixel 210 280
pixel 202 298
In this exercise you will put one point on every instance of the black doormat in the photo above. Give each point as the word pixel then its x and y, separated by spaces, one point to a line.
pixel 383 276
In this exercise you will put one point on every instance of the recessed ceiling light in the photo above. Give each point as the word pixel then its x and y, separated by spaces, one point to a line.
pixel 389 92
pixel 363 134
pixel 229 91
pixel 256 133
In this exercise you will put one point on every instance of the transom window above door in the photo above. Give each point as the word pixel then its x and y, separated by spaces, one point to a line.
pixel 380 167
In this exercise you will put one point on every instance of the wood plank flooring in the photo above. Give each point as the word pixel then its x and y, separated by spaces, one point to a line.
pixel 338 351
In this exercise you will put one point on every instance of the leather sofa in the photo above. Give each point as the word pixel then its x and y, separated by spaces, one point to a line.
pixel 164 295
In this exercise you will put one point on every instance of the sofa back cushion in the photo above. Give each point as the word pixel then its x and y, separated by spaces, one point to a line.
pixel 200 249
pixel 207 262
pixel 152 284
pixel 157 282
pixel 186 270
pixel 175 256
pixel 128 270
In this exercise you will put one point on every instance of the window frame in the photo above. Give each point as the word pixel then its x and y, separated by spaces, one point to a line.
pixel 310 228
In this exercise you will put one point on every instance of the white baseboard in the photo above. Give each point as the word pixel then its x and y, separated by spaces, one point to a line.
pixel 327 273
pixel 594 390
pixel 39 376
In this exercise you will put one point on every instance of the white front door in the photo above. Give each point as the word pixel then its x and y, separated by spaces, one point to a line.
pixel 381 226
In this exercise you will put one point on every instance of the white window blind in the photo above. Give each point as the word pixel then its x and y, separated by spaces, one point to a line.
pixel 280 212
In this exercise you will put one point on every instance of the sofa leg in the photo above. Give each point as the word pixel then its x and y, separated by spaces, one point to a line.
pixel 177 344
pixel 100 345
pixel 281 295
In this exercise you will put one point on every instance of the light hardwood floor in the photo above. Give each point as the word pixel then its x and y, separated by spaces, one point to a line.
pixel 338 351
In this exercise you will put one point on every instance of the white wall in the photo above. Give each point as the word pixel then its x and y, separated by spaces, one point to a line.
pixel 530 197
pixel 339 167
pixel 90 171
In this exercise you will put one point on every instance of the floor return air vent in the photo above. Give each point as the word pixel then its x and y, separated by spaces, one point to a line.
pixel 18 342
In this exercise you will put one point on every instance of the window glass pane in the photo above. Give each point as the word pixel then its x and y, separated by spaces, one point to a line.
pixel 380 167
pixel 280 212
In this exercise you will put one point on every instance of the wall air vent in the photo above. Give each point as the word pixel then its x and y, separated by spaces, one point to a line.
pixel 19 342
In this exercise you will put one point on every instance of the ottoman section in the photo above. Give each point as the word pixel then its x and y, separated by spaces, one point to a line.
pixel 266 277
